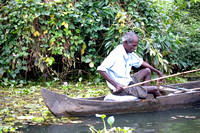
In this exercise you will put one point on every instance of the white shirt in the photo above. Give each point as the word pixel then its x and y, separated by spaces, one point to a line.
pixel 118 65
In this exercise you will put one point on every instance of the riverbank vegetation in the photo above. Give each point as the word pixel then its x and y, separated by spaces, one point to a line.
pixel 59 44
pixel 68 40
pixel 23 104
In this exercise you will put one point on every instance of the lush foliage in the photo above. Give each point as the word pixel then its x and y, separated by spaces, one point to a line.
pixel 65 39
pixel 187 29
pixel 53 39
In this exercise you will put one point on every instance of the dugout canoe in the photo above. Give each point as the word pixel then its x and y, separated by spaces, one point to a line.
pixel 61 105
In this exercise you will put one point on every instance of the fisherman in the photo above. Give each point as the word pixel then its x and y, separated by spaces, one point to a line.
pixel 117 66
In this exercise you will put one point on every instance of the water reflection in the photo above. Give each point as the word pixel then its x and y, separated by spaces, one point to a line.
pixel 173 121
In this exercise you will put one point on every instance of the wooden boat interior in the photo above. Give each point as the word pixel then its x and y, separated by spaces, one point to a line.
pixel 174 96
pixel 165 90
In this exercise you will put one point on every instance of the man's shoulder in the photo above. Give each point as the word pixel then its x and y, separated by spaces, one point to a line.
pixel 120 46
pixel 119 49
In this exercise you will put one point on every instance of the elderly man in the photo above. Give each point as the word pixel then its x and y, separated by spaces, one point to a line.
pixel 116 67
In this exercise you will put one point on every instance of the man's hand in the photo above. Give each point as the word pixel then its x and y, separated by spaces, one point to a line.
pixel 160 75
pixel 119 87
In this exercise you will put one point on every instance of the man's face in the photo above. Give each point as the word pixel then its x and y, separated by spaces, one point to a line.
pixel 132 46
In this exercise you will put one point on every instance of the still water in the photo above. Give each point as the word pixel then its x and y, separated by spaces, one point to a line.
pixel 172 121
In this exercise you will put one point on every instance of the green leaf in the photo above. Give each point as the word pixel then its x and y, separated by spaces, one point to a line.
pixel 38 119
pixel 9 119
pixel 87 60
pixel 24 68
pixel 111 120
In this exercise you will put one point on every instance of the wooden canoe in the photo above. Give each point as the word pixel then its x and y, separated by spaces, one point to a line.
pixel 61 105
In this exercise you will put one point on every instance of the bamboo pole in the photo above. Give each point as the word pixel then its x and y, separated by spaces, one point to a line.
pixel 190 90
pixel 160 78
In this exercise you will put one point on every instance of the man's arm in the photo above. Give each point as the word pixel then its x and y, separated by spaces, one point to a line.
pixel 118 86
pixel 145 64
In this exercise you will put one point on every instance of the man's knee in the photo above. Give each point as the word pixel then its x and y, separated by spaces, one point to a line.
pixel 147 71
pixel 144 74
pixel 154 90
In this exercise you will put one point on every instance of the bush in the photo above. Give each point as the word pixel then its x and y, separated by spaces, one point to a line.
pixel 57 38
pixel 66 40
pixel 187 57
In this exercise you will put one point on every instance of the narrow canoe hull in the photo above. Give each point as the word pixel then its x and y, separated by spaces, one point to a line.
pixel 61 105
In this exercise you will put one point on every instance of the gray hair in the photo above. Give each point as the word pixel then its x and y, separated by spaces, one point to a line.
pixel 128 37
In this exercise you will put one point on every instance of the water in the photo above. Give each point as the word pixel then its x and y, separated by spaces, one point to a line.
pixel 172 121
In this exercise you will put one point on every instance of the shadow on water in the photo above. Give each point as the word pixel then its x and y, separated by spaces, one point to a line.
pixel 172 121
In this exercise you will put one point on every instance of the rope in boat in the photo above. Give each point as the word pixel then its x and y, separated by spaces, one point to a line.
pixel 156 79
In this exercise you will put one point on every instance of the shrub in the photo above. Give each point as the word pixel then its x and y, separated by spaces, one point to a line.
pixel 65 39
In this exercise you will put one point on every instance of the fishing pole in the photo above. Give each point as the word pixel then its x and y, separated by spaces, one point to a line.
pixel 156 79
